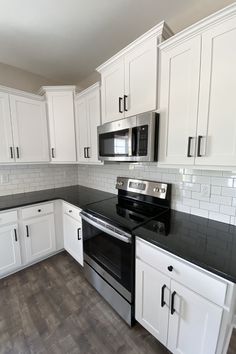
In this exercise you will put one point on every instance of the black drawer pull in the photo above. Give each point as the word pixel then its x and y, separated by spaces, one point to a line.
pixel 17 152
pixel 125 103
pixel 53 153
pixel 15 232
pixel 199 145
pixel 78 233
pixel 70 211
pixel 11 152
pixel 163 303
pixel 170 268
pixel 27 231
pixel 39 210
pixel 120 102
pixel 172 310
pixel 190 138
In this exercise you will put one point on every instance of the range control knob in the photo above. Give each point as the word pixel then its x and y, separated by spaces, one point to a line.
pixel 155 189
pixel 163 190
pixel 120 183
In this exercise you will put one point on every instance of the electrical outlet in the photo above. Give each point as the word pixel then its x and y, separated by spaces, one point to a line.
pixel 205 190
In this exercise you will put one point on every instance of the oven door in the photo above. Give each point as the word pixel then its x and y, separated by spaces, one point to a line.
pixel 110 254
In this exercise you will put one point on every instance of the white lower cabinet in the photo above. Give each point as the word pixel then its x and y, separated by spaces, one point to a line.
pixel 73 239
pixel 10 256
pixel 185 321
pixel 152 287
pixel 39 237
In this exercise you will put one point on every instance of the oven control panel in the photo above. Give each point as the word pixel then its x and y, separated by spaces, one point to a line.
pixel 151 188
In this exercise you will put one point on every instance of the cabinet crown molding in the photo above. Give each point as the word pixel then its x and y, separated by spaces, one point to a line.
pixel 17 92
pixel 63 88
pixel 200 26
pixel 88 90
pixel 161 30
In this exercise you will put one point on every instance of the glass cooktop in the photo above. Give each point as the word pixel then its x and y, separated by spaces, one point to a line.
pixel 124 212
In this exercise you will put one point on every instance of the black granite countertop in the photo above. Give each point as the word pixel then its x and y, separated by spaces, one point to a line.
pixel 76 195
pixel 207 243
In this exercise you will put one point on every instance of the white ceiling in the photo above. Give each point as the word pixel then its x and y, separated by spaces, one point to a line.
pixel 66 39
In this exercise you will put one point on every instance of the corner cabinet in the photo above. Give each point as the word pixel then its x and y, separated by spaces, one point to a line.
pixel 60 110
pixel 129 79
pixel 88 118
pixel 197 85
pixel 23 128
pixel 186 308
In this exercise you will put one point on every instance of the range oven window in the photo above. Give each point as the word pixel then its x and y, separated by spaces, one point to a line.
pixel 111 254
pixel 114 143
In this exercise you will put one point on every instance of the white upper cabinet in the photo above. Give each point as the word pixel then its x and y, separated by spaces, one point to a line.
pixel 29 123
pixel 112 92
pixel 6 139
pixel 197 93
pixel 129 79
pixel 141 78
pixel 179 75
pixel 217 106
pixel 88 118
pixel 60 106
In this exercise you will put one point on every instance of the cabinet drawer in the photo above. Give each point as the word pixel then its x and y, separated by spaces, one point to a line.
pixel 37 210
pixel 8 217
pixel 72 211
pixel 184 272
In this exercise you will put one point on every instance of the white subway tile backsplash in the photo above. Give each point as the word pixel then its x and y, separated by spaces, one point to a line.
pixel 210 194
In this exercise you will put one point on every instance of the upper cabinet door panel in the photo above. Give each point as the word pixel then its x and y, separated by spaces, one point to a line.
pixel 141 78
pixel 29 124
pixel 179 85
pixel 217 106
pixel 112 91
pixel 81 128
pixel 6 141
pixel 62 126
pixel 94 120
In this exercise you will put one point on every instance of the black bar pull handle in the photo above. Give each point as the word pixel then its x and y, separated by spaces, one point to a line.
pixel 17 152
pixel 120 104
pixel 53 153
pixel 11 152
pixel 85 152
pixel 78 233
pixel 172 309
pixel 190 138
pixel 163 303
pixel 88 152
pixel 27 230
pixel 199 145
pixel 125 103
pixel 15 233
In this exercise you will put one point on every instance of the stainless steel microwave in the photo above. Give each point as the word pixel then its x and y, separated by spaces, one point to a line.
pixel 132 139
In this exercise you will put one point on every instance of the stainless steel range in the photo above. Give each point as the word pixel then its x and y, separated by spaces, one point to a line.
pixel 109 247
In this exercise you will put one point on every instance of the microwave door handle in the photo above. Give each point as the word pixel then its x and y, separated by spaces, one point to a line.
pixel 123 238
pixel 130 142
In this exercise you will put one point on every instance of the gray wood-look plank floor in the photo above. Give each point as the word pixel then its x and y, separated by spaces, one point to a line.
pixel 50 308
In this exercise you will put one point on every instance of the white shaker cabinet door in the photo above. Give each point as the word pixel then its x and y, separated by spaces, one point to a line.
pixel 81 128
pixel 6 139
pixel 62 126
pixel 217 104
pixel 29 124
pixel 195 323
pixel 141 78
pixel 112 91
pixel 152 300
pixel 179 86
pixel 94 120
pixel 73 241
pixel 39 235
pixel 10 257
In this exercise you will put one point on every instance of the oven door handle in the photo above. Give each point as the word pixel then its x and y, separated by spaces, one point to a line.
pixel 123 238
